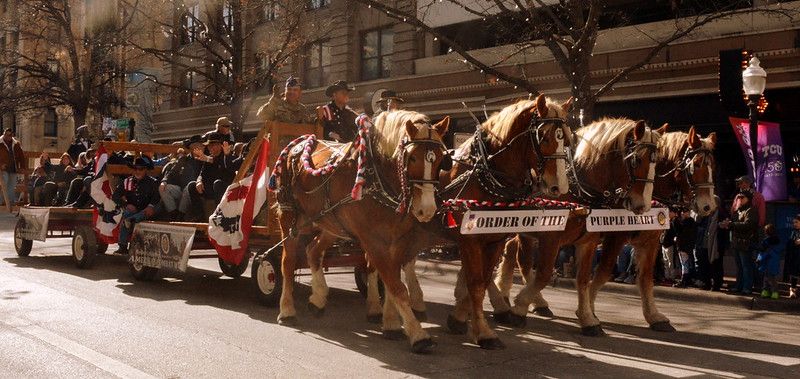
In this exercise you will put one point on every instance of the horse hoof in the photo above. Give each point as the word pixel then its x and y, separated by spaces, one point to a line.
pixel 455 326
pixel 543 311
pixel 394 334
pixel 287 321
pixel 491 344
pixel 424 346
pixel 517 321
pixel 421 315
pixel 662 326
pixel 502 318
pixel 315 310
pixel 375 319
pixel 593 331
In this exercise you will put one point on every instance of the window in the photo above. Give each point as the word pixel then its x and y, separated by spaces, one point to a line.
pixel 270 11
pixel 318 65
pixel 189 96
pixel 264 78
pixel 190 24
pixel 50 123
pixel 227 17
pixel 376 53
pixel 317 4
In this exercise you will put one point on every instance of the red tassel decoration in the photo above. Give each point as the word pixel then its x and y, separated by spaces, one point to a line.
pixel 451 222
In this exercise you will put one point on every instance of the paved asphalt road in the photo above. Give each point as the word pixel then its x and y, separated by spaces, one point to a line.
pixel 60 321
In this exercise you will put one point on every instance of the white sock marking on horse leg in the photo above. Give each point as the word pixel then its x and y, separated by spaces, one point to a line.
pixel 414 289
pixel 319 288
pixel 373 294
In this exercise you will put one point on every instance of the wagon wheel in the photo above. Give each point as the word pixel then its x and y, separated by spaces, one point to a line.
pixel 234 271
pixel 22 246
pixel 84 246
pixel 267 277
pixel 101 248
pixel 360 275
pixel 141 272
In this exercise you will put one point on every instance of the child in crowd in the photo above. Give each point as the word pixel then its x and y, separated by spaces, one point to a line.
pixel 769 261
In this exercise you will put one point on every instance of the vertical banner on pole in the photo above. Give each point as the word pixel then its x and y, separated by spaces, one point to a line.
pixel 770 164
pixel 741 128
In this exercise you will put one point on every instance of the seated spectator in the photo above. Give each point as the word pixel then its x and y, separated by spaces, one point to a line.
pixel 78 194
pixel 769 262
pixel 138 197
pixel 82 161
pixel 55 190
pixel 215 176
pixel 36 186
pixel 177 176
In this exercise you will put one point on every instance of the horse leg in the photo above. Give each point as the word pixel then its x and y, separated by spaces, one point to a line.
pixel 584 250
pixel 532 292
pixel 319 287
pixel 612 246
pixel 392 322
pixel 479 264
pixel 505 274
pixel 415 290
pixel 288 314
pixel 457 320
pixel 646 246
pixel 374 312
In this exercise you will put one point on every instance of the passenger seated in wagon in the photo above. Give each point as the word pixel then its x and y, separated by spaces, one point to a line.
pixel 137 195
pixel 176 177
pixel 78 194
pixel 215 176
pixel 60 177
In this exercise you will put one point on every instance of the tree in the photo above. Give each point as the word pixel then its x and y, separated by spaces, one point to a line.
pixel 225 51
pixel 68 57
pixel 568 29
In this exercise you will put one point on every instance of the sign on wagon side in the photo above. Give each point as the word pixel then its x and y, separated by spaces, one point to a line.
pixel 161 246
pixel 620 220
pixel 33 224
pixel 514 221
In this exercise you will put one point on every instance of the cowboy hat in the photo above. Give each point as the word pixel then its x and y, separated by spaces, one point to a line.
pixel 391 95
pixel 339 85
pixel 141 162
pixel 224 121
pixel 187 143
pixel 214 137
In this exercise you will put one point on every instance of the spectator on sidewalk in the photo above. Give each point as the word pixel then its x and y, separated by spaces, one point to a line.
pixel 716 253
pixel 745 183
pixel 744 231
pixel 12 162
pixel 685 237
pixel 791 267
pixel 769 262
pixel 706 247
pixel 626 265
pixel 668 246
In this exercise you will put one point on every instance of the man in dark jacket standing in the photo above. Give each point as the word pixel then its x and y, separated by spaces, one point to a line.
pixel 215 175
pixel 138 197
pixel 338 119
pixel 12 162
pixel 744 234
pixel 685 237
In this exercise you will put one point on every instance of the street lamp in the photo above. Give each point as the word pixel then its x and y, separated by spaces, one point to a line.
pixel 754 80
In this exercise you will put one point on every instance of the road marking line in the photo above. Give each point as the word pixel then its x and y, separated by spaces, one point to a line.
pixel 75 349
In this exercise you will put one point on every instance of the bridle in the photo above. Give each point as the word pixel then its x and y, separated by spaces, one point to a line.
pixel 686 166
pixel 406 183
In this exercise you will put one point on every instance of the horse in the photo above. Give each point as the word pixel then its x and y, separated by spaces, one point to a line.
pixel 404 154
pixel 515 154
pixel 617 154
pixel 688 162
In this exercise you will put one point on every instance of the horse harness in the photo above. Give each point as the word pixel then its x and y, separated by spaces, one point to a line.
pixel 686 166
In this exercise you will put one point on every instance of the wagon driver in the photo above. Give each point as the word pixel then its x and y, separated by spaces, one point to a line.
pixel 288 108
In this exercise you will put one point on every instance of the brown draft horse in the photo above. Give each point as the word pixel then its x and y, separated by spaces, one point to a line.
pixel 612 154
pixel 514 155
pixel 406 153
pixel 688 163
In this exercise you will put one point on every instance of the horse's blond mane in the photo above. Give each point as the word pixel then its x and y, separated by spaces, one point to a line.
pixel 671 145
pixel 601 137
pixel 500 125
pixel 390 129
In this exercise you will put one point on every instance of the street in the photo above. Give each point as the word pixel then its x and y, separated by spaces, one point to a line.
pixel 60 321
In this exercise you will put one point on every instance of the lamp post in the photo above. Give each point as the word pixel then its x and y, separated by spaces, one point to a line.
pixel 754 80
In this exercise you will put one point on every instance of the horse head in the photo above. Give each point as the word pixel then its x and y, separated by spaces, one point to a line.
pixel 422 156
pixel 549 137
pixel 640 158
pixel 695 171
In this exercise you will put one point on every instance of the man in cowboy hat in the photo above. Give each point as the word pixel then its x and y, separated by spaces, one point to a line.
pixel 138 196
pixel 745 183
pixel 288 108
pixel 174 185
pixel 215 176
pixel 338 120
pixel 390 102
pixel 222 127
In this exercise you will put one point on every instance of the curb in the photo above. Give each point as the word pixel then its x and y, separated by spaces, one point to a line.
pixel 690 295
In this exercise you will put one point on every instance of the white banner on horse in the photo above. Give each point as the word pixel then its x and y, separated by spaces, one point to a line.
pixel 620 220
pixel 34 227
pixel 514 221
pixel 161 246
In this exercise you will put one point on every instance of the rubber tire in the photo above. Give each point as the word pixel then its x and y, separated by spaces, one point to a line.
pixel 84 246
pixel 234 271
pixel 268 278
pixel 22 246
pixel 102 248
pixel 143 273
pixel 360 277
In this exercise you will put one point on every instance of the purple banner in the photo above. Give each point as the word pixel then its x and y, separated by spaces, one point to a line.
pixel 741 129
pixel 770 163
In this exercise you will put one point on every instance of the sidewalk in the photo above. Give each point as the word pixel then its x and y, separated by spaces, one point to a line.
pixel 692 295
